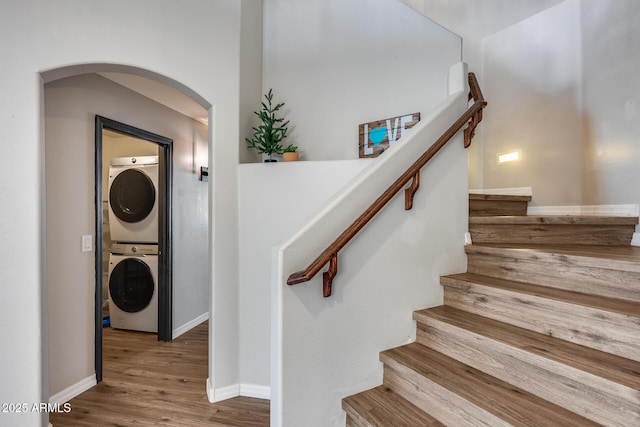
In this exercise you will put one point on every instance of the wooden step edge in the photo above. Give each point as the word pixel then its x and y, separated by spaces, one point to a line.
pixel 499 197
pixel 555 220
pixel 610 368
pixel 598 302
pixel 382 407
pixel 421 365
pixel 623 258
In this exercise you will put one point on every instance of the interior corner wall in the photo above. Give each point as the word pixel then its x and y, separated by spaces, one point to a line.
pixel 155 38
pixel 250 74
pixel 70 108
pixel 532 82
pixel 611 60
pixel 338 64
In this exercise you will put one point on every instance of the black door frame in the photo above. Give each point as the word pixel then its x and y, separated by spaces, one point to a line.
pixel 165 258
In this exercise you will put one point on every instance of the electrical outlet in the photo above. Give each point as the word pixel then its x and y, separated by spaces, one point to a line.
pixel 467 238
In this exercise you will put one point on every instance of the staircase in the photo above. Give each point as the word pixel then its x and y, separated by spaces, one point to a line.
pixel 542 330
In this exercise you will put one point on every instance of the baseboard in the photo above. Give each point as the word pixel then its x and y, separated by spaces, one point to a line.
pixel 254 390
pixel 189 325
pixel 515 191
pixel 594 210
pixel 235 390
pixel 636 239
pixel 70 392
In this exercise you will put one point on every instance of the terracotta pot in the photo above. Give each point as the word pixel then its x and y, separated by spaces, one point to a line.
pixel 290 157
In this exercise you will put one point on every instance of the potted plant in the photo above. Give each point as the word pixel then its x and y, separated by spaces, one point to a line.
pixel 290 153
pixel 268 136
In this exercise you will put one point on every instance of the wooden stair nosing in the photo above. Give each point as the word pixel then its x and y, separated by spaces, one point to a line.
pixel 381 406
pixel 499 197
pixel 552 234
pixel 481 395
pixel 596 385
pixel 605 324
pixel 555 220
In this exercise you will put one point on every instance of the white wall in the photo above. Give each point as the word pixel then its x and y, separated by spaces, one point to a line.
pixel 164 38
pixel 338 64
pixel 595 43
pixel 274 201
pixel 250 73
pixel 531 79
pixel 611 96
pixel 327 348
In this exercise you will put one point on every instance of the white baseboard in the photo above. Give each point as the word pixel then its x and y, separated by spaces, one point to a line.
pixel 594 210
pixel 254 390
pixel 235 390
pixel 70 392
pixel 189 325
pixel 636 239
pixel 515 191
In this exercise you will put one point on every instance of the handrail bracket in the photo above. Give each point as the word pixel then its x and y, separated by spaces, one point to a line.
pixel 471 117
pixel 327 276
pixel 411 191
pixel 470 130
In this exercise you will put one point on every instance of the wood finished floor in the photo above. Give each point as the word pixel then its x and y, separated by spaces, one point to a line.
pixel 150 383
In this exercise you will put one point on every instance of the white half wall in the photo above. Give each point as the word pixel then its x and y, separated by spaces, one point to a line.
pixel 327 348
pixel 337 64
pixel 275 199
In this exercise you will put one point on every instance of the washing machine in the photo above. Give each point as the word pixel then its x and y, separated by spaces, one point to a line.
pixel 133 199
pixel 133 287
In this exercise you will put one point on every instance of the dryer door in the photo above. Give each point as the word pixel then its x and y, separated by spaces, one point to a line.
pixel 132 195
pixel 131 285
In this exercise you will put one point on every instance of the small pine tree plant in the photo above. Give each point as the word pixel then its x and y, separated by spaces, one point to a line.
pixel 268 136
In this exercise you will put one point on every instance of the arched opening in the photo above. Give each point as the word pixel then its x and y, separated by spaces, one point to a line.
pixel 69 154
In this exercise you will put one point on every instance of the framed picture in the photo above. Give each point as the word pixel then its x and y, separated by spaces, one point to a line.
pixel 376 137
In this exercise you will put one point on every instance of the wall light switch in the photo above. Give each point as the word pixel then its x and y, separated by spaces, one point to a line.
pixel 87 243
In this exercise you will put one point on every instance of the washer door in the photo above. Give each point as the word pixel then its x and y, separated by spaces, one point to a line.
pixel 132 195
pixel 131 285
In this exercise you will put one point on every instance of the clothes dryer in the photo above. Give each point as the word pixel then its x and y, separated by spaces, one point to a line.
pixel 133 287
pixel 133 199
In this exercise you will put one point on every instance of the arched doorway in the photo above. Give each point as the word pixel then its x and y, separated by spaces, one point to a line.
pixel 73 157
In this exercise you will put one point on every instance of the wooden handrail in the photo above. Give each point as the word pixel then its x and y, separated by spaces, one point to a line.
pixel 472 116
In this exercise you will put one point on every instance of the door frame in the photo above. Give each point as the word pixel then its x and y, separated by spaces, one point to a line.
pixel 165 255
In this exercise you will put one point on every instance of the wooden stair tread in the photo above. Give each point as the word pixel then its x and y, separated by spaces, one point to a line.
pixel 608 366
pixel 499 197
pixel 380 406
pixel 625 258
pixel 554 220
pixel 512 404
pixel 628 308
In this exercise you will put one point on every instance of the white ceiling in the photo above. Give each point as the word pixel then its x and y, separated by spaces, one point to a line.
pixel 479 18
pixel 161 93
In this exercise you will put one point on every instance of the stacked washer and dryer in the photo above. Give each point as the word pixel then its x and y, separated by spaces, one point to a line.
pixel 133 262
